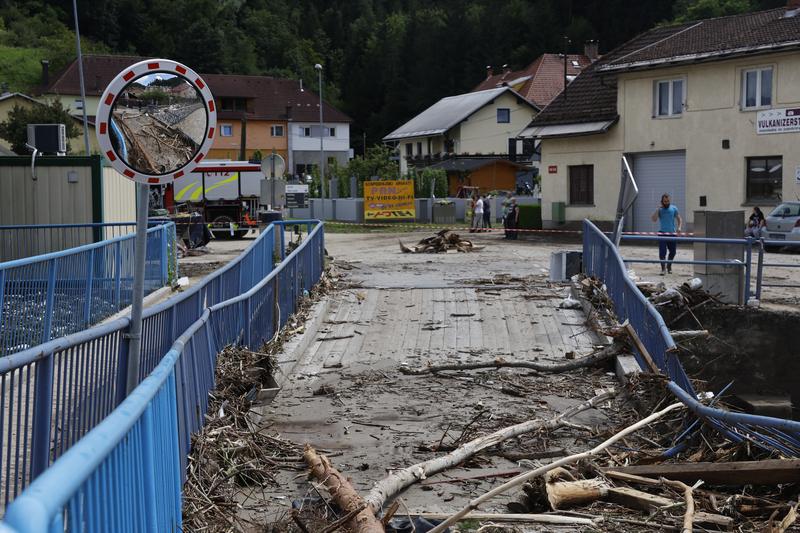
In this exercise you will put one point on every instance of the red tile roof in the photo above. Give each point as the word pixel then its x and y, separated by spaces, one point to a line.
pixel 542 80
pixel 271 96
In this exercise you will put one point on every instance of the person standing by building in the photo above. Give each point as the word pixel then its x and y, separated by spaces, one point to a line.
pixel 487 212
pixel 477 215
pixel 512 220
pixel 755 224
pixel 669 223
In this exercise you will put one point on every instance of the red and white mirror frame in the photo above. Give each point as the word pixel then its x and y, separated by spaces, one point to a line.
pixel 102 121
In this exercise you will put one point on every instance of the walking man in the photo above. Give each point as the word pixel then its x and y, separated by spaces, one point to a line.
pixel 487 212
pixel 669 223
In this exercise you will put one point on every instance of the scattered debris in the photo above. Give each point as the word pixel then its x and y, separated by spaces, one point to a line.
pixel 442 242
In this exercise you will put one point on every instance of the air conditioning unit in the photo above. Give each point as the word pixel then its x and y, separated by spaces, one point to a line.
pixel 48 138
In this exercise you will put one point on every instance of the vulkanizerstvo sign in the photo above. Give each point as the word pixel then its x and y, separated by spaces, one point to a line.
pixel 387 200
pixel 778 121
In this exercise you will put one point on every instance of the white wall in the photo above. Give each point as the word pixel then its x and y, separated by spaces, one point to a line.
pixel 339 143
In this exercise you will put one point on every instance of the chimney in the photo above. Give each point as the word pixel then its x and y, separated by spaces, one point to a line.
pixel 45 73
pixel 301 85
pixel 592 50
pixel 489 71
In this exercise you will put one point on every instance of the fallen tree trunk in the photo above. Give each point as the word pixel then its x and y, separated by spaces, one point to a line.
pixel 474 504
pixel 393 484
pixel 535 518
pixel 342 492
pixel 551 368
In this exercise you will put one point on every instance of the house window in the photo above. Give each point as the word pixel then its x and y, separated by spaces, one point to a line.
pixel 764 179
pixel 331 132
pixel 276 131
pixel 669 98
pixel 409 149
pixel 233 104
pixel 757 88
pixel 581 184
pixel 419 148
pixel 305 131
pixel 503 115
pixel 226 130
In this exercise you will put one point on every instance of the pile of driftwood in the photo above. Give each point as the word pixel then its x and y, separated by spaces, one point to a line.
pixel 442 242
pixel 231 456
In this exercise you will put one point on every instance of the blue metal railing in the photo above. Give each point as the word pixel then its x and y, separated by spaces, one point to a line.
pixel 21 241
pixel 56 294
pixel 602 260
pixel 126 473
pixel 113 453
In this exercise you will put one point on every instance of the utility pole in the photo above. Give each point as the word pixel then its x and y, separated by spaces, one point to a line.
pixel 321 136
pixel 80 75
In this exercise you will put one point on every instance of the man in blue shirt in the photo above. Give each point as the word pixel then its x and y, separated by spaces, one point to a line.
pixel 669 223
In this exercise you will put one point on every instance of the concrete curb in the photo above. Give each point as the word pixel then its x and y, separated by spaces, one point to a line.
pixel 293 350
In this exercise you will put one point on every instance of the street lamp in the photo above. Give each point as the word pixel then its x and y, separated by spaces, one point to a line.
pixel 318 67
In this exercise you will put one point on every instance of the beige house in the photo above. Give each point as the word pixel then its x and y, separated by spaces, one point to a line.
pixel 477 123
pixel 706 111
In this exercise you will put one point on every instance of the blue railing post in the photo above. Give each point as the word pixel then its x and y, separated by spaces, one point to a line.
pixel 50 299
pixel 280 229
pixel 42 415
pixel 164 265
pixel 148 468
pixel 247 321
pixel 748 268
pixel 760 269
pixel 87 306
pixel 117 274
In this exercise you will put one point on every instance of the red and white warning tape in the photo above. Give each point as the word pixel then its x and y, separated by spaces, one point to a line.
pixel 401 225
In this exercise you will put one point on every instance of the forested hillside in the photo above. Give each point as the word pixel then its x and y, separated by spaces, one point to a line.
pixel 384 60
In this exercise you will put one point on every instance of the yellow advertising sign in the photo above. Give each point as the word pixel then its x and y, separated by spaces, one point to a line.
pixel 388 200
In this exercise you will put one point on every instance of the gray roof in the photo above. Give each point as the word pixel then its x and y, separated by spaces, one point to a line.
pixel 447 113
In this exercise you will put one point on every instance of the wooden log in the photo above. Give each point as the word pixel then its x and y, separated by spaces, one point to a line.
pixel 766 472
pixel 678 336
pixel 590 360
pixel 342 492
pixel 642 350
pixel 536 518
pixel 566 494
pixel 474 504
pixel 688 515
pixel 393 484
pixel 644 501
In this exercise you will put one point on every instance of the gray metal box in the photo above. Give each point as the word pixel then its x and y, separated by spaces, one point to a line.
pixel 728 281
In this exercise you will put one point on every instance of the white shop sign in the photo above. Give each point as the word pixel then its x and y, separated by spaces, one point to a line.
pixel 778 121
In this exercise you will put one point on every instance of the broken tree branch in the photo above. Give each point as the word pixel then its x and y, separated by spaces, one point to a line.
pixel 688 515
pixel 590 360
pixel 474 504
pixel 391 485
pixel 535 518
pixel 342 492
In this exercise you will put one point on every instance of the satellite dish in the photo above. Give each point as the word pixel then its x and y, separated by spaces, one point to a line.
pixel 273 166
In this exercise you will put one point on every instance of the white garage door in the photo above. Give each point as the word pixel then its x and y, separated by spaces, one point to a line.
pixel 658 173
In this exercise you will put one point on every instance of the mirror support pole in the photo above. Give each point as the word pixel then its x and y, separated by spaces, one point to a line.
pixel 137 296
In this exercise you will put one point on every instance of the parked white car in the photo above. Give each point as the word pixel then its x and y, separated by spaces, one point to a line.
pixel 783 223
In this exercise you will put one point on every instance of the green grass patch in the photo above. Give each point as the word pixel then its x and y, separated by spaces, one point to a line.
pixel 21 67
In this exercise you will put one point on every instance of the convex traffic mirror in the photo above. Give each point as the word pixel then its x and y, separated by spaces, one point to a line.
pixel 156 121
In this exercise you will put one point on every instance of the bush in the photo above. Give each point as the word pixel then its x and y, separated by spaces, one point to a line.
pixel 530 216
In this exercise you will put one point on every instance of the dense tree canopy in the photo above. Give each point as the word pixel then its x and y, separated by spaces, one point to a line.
pixel 384 60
